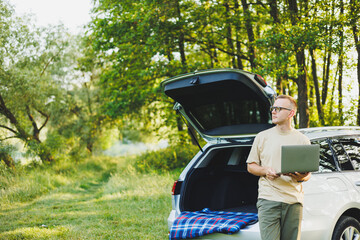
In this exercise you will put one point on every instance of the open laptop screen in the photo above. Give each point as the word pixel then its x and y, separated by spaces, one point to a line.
pixel 300 158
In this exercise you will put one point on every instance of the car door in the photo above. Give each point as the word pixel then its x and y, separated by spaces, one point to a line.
pixel 326 194
pixel 348 155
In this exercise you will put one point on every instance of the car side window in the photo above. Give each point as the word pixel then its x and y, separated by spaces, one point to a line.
pixel 341 155
pixel 352 147
pixel 326 161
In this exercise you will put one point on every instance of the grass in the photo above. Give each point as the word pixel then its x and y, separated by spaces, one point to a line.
pixel 102 198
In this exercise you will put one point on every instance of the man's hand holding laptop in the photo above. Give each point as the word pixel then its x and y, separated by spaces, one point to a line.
pixel 300 177
pixel 271 173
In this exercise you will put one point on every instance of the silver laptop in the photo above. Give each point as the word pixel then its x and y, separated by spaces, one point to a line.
pixel 300 158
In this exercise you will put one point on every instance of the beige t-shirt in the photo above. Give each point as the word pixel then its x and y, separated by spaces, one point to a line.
pixel 266 151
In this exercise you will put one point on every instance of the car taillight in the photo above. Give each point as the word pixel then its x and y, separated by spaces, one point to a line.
pixel 260 80
pixel 176 188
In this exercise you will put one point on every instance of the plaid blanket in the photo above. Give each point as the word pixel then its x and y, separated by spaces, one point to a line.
pixel 200 223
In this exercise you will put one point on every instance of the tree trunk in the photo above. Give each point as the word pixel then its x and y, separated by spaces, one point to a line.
pixel 181 38
pixel 8 160
pixel 19 132
pixel 302 90
pixel 45 154
pixel 355 11
pixel 238 43
pixel 340 65
pixel 90 146
pixel 250 33
pixel 325 87
pixel 229 34
pixel 357 42
pixel 316 86
pixel 209 47
pixel 279 85
pixel 302 74
pixel 33 141
pixel 274 12
pixel 328 59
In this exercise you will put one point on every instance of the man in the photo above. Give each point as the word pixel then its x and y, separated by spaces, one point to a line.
pixel 280 196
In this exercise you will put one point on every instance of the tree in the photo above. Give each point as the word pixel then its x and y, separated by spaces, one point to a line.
pixel 341 62
pixel 31 66
pixel 301 80
pixel 294 44
pixel 78 119
pixel 250 33
pixel 354 23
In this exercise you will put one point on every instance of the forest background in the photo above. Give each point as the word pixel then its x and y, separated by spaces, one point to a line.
pixel 65 98
pixel 67 95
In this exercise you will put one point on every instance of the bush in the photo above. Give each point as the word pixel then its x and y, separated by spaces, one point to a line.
pixel 164 160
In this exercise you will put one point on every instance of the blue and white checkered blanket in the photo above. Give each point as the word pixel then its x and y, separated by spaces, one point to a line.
pixel 200 223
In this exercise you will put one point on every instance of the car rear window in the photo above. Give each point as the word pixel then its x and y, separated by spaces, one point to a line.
pixel 230 113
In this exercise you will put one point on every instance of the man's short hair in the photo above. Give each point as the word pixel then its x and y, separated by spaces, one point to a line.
pixel 291 99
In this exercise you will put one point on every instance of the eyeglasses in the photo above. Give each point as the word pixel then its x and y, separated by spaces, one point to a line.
pixel 278 109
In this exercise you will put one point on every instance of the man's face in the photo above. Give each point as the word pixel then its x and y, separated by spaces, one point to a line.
pixel 283 111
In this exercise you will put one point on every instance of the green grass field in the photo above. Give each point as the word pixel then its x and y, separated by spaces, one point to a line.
pixel 101 198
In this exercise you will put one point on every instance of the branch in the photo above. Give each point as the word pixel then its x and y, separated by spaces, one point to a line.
pixel 48 63
pixel 32 120
pixel 356 38
pixel 75 110
pixel 217 47
pixel 42 113
pixel 212 45
pixel 2 104
pixel 9 138
pixel 10 129
pixel 259 3
pixel 292 78
pixel 46 120
pixel 10 116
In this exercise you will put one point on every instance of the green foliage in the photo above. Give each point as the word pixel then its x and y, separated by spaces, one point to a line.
pixel 78 121
pixel 165 160
pixel 40 90
pixel 80 88
pixel 57 145
pixel 33 72
pixel 138 45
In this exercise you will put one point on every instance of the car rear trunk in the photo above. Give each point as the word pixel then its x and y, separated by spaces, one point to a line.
pixel 222 103
pixel 220 181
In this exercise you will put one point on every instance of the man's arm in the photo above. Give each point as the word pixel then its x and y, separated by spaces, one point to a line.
pixel 261 171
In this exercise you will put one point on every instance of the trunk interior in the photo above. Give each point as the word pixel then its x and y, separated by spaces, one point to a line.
pixel 220 181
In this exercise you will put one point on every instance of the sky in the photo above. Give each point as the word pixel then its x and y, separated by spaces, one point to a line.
pixel 72 13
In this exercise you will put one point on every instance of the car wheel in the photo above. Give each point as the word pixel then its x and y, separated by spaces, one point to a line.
pixel 347 228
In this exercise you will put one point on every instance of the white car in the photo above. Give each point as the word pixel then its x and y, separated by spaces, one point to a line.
pixel 228 108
